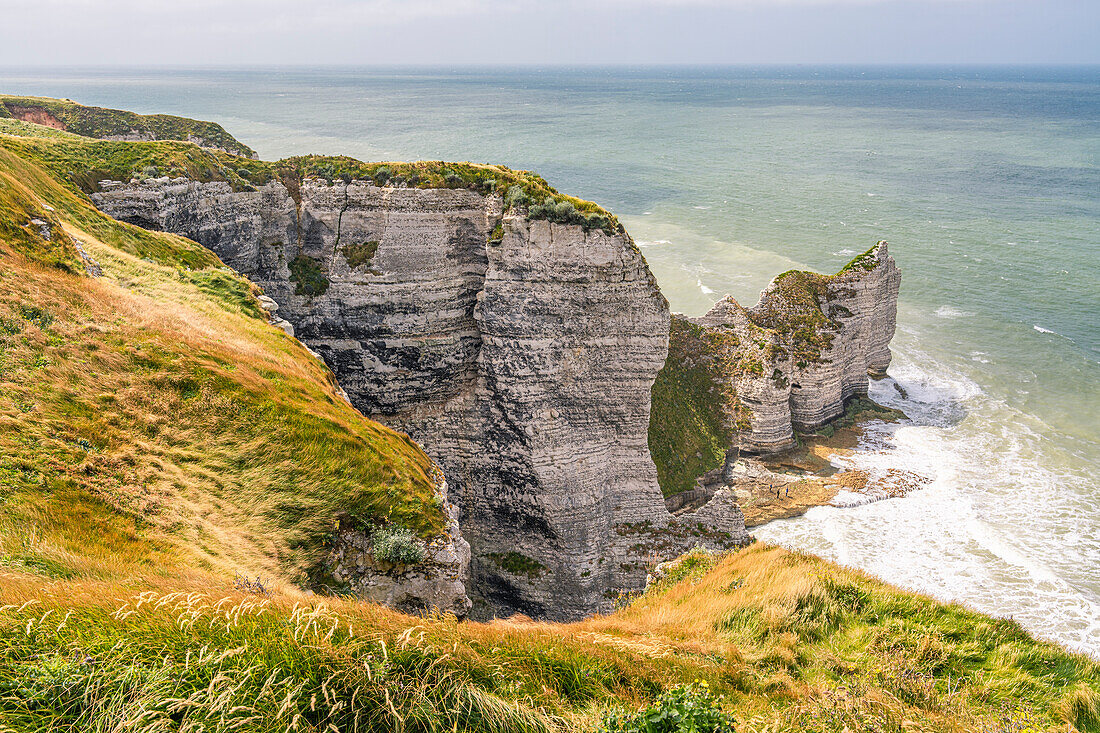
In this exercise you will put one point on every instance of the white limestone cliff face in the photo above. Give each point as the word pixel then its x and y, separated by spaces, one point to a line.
pixel 523 365
pixel 817 339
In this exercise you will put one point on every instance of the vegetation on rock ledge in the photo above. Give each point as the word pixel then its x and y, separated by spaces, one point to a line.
pixel 308 276
pixel 695 412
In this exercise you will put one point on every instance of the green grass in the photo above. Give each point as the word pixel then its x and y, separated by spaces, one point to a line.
pixel 797 313
pixel 360 254
pixel 779 641
pixel 695 413
pixel 862 262
pixel 308 276
pixel 83 163
pixel 798 308
pixel 99 122
pixel 517 563
pixel 688 432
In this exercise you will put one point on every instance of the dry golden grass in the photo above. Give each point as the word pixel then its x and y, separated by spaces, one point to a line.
pixel 794 643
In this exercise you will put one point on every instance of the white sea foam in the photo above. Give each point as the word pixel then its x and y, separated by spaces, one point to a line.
pixel 993 527
pixel 844 252
pixel 947 311
pixel 1040 329
pixel 704 288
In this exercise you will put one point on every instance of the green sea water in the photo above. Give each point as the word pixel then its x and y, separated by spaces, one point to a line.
pixel 986 183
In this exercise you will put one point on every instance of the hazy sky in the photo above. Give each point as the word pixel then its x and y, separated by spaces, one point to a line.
pixel 201 32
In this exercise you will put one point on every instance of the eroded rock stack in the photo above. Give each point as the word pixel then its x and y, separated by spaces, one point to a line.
pixel 791 362
pixel 519 352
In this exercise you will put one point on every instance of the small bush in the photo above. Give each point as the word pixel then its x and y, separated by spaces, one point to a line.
pixel 694 564
pixel 382 175
pixel 150 171
pixel 358 255
pixel 683 709
pixel 396 544
pixel 515 197
pixel 308 276
pixel 517 563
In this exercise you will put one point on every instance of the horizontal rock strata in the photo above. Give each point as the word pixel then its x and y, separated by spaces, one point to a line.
pixel 520 353
pixel 747 379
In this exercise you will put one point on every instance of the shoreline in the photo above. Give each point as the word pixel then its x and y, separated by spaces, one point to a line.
pixel 814 473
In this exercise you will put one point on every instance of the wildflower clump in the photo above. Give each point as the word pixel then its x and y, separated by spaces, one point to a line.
pixel 689 708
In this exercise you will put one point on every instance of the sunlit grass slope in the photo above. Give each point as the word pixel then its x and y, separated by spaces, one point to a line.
pixel 151 418
pixel 792 643
pixel 100 122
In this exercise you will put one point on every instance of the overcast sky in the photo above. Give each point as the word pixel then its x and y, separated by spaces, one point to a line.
pixel 455 32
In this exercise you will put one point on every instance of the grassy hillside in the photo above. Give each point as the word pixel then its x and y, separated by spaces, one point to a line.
pixel 157 436
pixel 151 419
pixel 784 642
pixel 100 122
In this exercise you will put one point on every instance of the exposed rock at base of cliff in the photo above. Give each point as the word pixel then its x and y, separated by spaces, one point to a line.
pixel 518 351
pixel 747 380
pixel 436 583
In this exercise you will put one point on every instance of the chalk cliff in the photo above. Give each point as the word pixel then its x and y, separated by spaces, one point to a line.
pixel 747 379
pixel 518 351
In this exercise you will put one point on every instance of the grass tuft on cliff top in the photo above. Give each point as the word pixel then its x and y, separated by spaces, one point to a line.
pixel 152 422
pixel 84 163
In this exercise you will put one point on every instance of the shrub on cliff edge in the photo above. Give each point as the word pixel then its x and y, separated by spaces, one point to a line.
pixel 396 544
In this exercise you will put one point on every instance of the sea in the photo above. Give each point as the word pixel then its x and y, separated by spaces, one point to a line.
pixel 985 181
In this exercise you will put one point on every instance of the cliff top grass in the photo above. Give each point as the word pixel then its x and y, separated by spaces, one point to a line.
pixel 784 641
pixel 796 305
pixel 151 421
pixel 100 122
pixel 84 163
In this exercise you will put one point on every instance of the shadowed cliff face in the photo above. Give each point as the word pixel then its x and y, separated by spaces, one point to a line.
pixel 522 364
